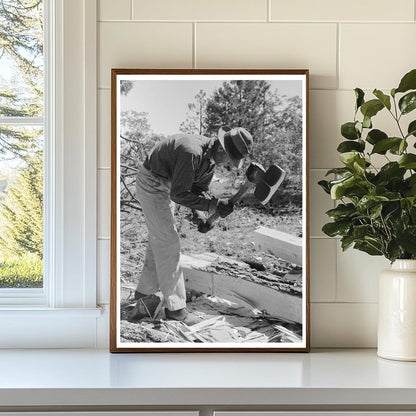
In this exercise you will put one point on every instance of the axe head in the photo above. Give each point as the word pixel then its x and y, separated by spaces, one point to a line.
pixel 271 181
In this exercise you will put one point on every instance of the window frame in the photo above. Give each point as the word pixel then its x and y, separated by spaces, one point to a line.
pixel 70 210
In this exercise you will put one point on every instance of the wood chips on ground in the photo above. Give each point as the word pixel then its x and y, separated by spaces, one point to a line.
pixel 222 322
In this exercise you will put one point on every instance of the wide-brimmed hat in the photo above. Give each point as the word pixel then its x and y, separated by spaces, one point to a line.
pixel 237 143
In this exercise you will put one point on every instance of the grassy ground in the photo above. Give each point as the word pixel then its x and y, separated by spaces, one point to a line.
pixel 21 272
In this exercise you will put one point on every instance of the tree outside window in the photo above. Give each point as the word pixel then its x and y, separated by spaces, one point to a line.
pixel 21 143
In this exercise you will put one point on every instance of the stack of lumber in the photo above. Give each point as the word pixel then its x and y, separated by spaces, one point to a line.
pixel 238 282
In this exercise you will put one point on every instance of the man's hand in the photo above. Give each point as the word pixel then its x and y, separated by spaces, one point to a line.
pixel 224 207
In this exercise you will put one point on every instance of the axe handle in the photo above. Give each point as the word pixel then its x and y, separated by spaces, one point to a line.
pixel 235 198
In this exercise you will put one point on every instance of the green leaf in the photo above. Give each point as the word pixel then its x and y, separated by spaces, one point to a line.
pixel 408 82
pixel 398 149
pixel 411 130
pixel 342 211
pixel 411 184
pixel 369 201
pixel 385 99
pixel 359 165
pixel 350 131
pixel 375 211
pixel 371 108
pixel 359 95
pixel 359 232
pixel 367 122
pixel 348 158
pixel 408 102
pixel 338 171
pixel 385 144
pixel 325 186
pixel 349 146
pixel 393 92
pixel 408 161
pixel 336 228
pixel 346 242
pixel 393 250
pixel 407 240
pixel 391 170
pixel 339 189
pixel 368 248
pixel 375 136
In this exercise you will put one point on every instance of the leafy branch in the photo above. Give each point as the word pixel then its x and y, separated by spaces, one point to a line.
pixel 377 207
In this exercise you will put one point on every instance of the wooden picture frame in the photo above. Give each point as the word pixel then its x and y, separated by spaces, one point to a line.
pixel 247 279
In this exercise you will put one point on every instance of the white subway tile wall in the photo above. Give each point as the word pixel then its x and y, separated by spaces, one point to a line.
pixel 200 10
pixel 345 44
pixel 339 11
pixel 270 45
pixel 144 45
pixel 322 269
pixel 375 54
pixel 114 10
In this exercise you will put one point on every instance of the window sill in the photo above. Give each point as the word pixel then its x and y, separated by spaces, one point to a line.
pixel 37 311
pixel 40 327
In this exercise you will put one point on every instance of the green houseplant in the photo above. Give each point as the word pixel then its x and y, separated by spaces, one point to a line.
pixel 376 209
pixel 376 212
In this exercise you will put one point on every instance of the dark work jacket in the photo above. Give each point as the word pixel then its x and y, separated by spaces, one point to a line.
pixel 185 161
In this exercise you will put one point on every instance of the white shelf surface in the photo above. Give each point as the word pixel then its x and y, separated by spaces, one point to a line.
pixel 98 378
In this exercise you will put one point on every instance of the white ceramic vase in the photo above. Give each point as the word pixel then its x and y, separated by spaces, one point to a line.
pixel 397 312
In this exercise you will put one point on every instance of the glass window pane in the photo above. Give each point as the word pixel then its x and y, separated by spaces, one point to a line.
pixel 21 58
pixel 21 206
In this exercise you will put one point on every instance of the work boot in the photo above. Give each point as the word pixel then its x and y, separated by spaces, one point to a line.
pixel 139 295
pixel 183 315
pixel 145 308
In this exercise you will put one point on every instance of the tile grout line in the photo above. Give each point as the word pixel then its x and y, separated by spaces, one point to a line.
pixel 194 62
pixel 308 22
pixel 336 271
pixel 344 303
pixel 338 64
pixel 269 11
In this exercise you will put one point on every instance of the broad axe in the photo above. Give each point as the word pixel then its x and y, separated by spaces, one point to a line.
pixel 265 182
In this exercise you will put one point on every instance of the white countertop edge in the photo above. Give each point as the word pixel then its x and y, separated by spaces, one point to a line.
pixel 322 396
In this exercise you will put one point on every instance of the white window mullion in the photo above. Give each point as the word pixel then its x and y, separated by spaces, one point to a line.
pixel 22 121
pixel 49 155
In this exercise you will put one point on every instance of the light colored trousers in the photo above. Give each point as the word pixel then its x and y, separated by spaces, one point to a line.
pixel 161 270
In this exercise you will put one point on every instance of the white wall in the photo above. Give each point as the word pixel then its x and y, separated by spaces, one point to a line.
pixel 345 44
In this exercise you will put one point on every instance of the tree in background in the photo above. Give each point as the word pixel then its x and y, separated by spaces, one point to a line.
pixel 240 103
pixel 21 95
pixel 196 122
pixel 284 137
pixel 125 87
pixel 136 141
pixel 274 120
pixel 21 228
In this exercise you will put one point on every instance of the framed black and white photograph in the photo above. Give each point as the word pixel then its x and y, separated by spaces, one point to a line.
pixel 209 213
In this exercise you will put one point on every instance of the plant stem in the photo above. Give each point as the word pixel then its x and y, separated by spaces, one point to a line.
pixel 396 119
